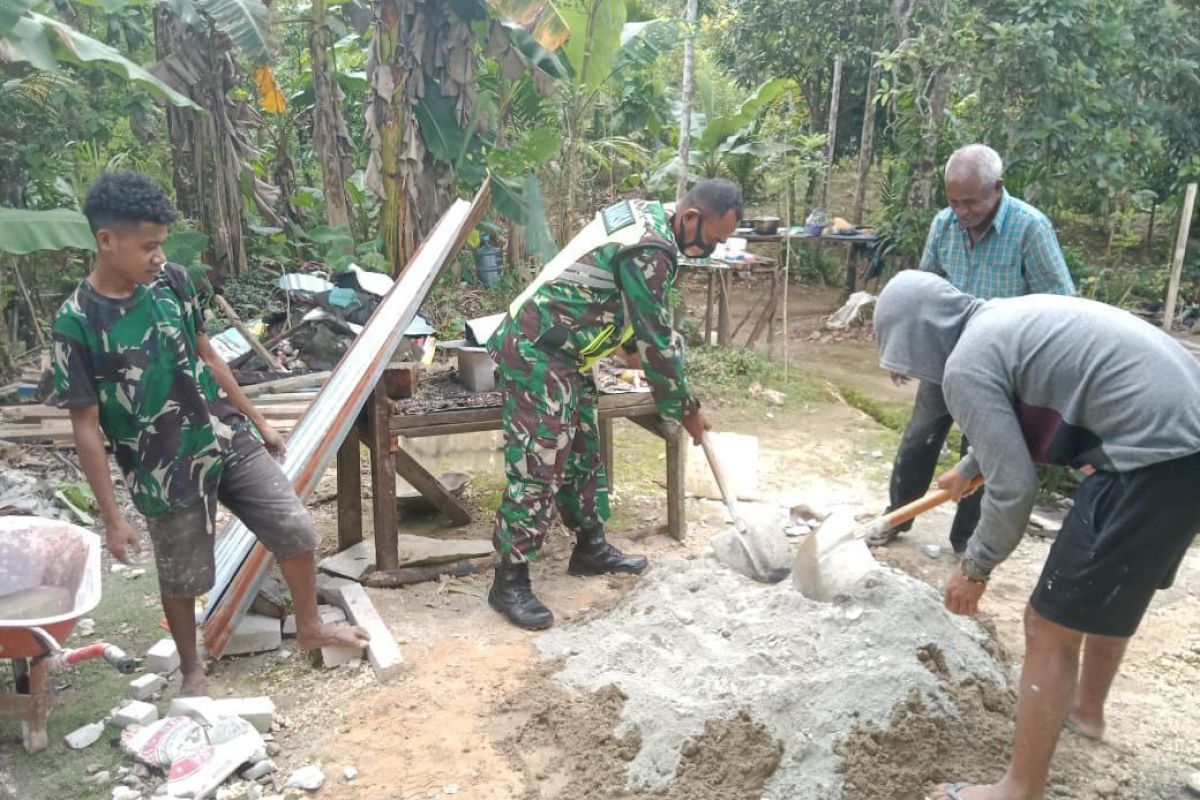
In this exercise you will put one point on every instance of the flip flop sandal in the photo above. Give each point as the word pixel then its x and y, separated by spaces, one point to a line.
pixel 953 790
pixel 1075 729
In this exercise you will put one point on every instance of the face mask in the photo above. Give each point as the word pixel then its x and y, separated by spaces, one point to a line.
pixel 697 241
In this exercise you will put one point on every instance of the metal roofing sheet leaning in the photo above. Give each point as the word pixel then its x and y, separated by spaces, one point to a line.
pixel 240 561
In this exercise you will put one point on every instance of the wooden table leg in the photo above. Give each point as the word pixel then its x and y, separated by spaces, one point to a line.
pixel 383 480
pixel 606 449
pixel 774 309
pixel 851 272
pixel 708 309
pixel 677 443
pixel 430 487
pixel 723 310
pixel 349 492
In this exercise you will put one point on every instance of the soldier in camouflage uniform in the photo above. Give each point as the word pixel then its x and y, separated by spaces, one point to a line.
pixel 132 360
pixel 606 290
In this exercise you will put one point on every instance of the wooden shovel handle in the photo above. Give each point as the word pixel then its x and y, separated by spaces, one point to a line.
pixel 922 504
pixel 714 462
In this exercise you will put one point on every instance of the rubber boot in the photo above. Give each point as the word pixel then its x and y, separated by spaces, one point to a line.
pixel 593 555
pixel 512 595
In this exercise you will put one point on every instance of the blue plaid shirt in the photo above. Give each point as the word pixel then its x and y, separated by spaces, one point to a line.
pixel 1018 253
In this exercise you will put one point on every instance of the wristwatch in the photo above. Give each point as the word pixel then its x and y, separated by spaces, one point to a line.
pixel 974 571
pixel 691 405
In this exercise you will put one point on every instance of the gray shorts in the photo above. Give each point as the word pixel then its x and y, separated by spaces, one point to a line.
pixel 254 488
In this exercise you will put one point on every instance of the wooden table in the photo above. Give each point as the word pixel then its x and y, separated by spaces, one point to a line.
pixel 859 244
pixel 383 432
pixel 718 292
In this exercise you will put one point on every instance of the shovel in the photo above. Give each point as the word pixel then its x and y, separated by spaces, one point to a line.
pixel 746 537
pixel 830 559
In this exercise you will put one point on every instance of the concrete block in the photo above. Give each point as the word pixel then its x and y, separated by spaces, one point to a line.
pixel 162 657
pixel 258 711
pixel 254 634
pixel 329 586
pixel 146 686
pixel 337 656
pixel 135 712
pixel 85 736
pixel 329 615
pixel 201 709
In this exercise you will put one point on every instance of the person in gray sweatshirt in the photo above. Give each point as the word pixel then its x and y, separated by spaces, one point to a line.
pixel 1045 379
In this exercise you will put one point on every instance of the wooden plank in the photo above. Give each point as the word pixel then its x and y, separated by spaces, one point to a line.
pixel 383 479
pixel 382 651
pixel 677 443
pixel 349 494
pixel 1185 227
pixel 448 430
pixel 399 422
pixel 287 384
pixel 431 488
pixel 255 345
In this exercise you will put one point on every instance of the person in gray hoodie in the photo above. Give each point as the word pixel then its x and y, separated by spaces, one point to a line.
pixel 1045 379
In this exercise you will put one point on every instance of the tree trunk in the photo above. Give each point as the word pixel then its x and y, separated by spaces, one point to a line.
pixel 685 117
pixel 330 138
pixel 866 144
pixel 921 195
pixel 206 165
pixel 414 40
pixel 835 93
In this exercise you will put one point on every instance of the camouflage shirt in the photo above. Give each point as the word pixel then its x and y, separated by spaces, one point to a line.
pixel 170 425
pixel 606 290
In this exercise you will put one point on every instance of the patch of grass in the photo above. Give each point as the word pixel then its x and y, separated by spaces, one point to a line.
pixel 726 374
pixel 128 617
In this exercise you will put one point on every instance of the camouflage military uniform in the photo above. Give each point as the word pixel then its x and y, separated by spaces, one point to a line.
pixel 544 348
pixel 180 442
pixel 160 407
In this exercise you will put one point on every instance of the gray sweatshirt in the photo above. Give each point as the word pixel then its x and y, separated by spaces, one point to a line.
pixel 1040 379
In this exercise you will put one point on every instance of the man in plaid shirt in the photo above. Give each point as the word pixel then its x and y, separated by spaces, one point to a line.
pixel 988 244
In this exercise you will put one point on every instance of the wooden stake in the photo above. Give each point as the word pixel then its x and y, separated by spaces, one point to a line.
pixel 33 315
pixel 1185 228
pixel 255 345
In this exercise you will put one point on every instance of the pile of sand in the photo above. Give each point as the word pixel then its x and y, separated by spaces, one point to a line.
pixel 699 654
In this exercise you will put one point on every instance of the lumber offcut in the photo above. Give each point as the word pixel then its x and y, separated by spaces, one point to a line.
pixel 382 651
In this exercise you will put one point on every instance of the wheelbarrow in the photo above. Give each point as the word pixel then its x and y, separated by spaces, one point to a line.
pixel 49 578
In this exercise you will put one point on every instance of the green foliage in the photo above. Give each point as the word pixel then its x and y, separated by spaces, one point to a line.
pixel 78 499
pixel 25 231
pixel 44 43
pixel 592 59
pixel 247 23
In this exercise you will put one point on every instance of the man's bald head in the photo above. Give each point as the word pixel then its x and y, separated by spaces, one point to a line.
pixel 974 184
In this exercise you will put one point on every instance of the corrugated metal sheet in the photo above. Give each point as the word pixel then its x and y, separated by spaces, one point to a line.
pixel 241 561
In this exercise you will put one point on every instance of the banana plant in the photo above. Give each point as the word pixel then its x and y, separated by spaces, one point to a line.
pixel 44 43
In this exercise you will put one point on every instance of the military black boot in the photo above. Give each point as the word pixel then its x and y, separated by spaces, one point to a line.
pixel 593 555
pixel 512 595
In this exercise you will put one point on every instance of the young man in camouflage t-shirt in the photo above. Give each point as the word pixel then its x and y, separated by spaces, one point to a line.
pixel 132 360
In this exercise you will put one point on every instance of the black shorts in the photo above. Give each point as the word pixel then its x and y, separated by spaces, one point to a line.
pixel 1123 541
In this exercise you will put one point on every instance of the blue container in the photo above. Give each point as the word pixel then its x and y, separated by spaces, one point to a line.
pixel 489 263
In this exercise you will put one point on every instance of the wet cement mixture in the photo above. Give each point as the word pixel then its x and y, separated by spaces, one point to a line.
pixel 709 685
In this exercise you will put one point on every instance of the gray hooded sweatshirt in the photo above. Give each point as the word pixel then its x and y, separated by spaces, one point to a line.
pixel 1040 379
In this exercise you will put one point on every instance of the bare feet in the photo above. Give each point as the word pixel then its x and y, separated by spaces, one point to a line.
pixel 1088 726
pixel 336 635
pixel 966 791
pixel 195 682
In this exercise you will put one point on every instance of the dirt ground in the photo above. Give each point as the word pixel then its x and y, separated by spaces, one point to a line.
pixel 477 715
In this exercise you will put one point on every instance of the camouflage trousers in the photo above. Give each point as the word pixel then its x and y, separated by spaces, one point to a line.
pixel 551 449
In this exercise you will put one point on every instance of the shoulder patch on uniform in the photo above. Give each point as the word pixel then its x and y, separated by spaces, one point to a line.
pixel 617 216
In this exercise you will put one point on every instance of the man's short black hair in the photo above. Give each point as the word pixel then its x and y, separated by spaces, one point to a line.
pixel 127 198
pixel 715 196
